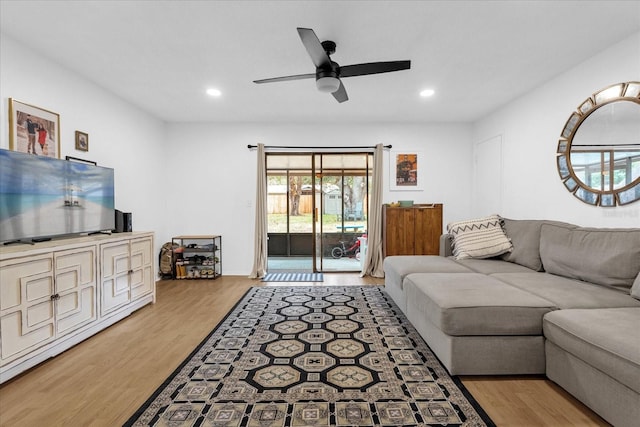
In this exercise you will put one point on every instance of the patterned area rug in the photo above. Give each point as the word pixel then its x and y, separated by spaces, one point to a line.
pixel 293 277
pixel 312 356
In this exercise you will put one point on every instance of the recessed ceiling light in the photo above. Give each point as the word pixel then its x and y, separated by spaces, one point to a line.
pixel 214 92
pixel 427 93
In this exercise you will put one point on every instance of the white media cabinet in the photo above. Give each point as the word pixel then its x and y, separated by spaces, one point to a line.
pixel 56 294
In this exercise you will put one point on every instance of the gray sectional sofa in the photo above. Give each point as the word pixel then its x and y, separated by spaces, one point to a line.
pixel 564 302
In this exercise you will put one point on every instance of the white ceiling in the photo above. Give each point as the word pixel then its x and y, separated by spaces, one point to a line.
pixel 162 55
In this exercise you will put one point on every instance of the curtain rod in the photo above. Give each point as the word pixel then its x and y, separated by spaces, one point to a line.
pixel 315 148
pixel 604 145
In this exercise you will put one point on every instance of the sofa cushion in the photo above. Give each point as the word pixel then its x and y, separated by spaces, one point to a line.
pixel 525 237
pixel 635 289
pixel 607 339
pixel 609 257
pixel 479 238
pixel 398 266
pixel 568 293
pixel 493 265
pixel 475 304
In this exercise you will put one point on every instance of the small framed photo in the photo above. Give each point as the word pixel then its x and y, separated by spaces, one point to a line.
pixel 33 130
pixel 406 171
pixel 82 141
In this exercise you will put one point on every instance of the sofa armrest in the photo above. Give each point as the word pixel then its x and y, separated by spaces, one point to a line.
pixel 445 245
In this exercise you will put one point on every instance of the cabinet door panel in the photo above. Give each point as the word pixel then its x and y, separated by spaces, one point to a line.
pixel 428 230
pixel 75 269
pixel 26 307
pixel 37 315
pixel 141 267
pixel 114 276
pixel 76 309
pixel 76 284
pixel 37 287
pixel 28 278
pixel 18 339
pixel 115 259
pixel 115 290
pixel 67 305
pixel 141 251
pixel 137 281
pixel 399 231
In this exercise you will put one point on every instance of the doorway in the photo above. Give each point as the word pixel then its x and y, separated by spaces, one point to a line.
pixel 317 206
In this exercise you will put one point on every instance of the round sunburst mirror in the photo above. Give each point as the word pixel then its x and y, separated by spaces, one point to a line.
pixel 598 154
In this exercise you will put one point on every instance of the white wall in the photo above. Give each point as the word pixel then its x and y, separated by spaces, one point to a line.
pixel 200 178
pixel 530 128
pixel 213 173
pixel 120 136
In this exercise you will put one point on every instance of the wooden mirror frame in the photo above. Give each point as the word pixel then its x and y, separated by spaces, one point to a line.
pixel 620 92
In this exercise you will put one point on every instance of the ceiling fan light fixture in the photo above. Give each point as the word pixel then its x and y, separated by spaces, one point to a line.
pixel 328 84
pixel 427 93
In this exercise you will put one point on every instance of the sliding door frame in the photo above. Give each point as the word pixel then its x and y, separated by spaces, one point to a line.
pixel 318 246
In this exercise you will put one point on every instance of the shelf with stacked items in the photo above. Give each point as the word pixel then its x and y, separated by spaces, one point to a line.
pixel 197 257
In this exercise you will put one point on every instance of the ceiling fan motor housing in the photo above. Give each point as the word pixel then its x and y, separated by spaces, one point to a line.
pixel 334 71
pixel 329 47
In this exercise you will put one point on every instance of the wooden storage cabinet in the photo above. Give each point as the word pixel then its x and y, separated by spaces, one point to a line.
pixel 50 294
pixel 412 230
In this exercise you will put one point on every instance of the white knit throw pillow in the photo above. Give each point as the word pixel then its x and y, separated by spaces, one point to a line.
pixel 479 238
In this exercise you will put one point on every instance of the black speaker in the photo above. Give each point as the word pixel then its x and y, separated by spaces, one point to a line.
pixel 128 222
pixel 124 222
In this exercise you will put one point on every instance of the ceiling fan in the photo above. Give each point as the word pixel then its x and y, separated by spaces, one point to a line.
pixel 328 73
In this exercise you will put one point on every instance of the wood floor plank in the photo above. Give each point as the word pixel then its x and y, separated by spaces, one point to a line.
pixel 529 401
pixel 102 381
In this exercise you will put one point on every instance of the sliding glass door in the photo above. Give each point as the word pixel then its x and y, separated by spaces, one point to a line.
pixel 290 212
pixel 317 210
pixel 342 220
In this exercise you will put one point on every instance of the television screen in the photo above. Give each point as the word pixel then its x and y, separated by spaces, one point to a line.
pixel 42 197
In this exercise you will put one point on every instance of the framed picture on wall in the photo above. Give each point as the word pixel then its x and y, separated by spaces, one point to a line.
pixel 33 130
pixel 82 141
pixel 406 171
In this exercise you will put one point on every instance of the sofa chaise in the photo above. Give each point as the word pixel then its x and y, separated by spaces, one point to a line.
pixel 535 297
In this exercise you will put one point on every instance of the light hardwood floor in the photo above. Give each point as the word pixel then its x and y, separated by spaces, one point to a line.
pixel 103 380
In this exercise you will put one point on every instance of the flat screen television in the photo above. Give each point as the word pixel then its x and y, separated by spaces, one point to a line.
pixel 42 197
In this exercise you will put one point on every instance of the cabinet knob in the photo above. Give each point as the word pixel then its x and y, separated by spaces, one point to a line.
pixel 55 297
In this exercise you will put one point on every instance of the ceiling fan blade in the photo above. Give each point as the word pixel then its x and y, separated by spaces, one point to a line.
pixel 373 68
pixel 314 47
pixel 287 78
pixel 341 94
